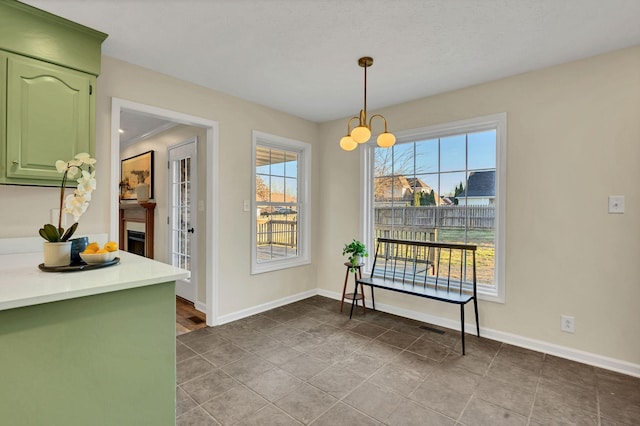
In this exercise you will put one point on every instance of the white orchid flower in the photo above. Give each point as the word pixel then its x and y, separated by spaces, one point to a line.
pixel 75 205
pixel 73 171
pixel 78 202
pixel 61 166
pixel 85 158
pixel 86 195
pixel 87 182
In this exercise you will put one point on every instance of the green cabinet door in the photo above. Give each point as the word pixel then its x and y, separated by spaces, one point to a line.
pixel 50 116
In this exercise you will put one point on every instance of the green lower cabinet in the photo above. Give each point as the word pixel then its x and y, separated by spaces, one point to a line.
pixel 98 360
pixel 50 114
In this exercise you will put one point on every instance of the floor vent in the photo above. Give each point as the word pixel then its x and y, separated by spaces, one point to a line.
pixel 196 320
pixel 431 329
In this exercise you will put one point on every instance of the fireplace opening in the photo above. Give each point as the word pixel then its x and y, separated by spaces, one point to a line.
pixel 135 242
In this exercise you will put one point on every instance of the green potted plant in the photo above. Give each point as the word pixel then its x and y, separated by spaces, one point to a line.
pixel 356 251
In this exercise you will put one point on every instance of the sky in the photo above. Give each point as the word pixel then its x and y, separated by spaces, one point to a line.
pixel 452 156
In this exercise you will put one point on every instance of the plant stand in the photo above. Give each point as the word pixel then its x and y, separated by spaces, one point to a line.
pixel 356 275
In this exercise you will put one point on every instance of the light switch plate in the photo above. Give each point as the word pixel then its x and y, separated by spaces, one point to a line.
pixel 616 204
pixel 245 205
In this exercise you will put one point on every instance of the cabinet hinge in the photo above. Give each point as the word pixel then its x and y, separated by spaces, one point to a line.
pixel 168 165
pixel 90 90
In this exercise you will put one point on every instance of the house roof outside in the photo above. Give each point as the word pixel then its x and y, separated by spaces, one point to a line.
pixel 418 184
pixel 480 184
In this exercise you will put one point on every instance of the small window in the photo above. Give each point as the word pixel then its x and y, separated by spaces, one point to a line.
pixel 280 209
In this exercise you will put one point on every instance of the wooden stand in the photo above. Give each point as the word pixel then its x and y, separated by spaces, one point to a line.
pixel 141 213
pixel 356 275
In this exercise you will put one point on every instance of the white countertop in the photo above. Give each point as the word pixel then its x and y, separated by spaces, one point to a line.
pixel 24 284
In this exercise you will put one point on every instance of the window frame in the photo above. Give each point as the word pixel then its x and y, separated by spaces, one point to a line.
pixel 303 230
pixel 495 293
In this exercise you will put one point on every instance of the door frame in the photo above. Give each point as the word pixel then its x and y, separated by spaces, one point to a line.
pixel 194 220
pixel 211 195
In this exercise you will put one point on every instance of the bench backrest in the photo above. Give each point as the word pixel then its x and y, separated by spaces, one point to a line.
pixel 441 266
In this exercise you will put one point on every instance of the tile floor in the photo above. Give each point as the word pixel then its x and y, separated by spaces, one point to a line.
pixel 306 363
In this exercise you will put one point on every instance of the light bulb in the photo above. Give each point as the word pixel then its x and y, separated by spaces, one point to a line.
pixel 347 143
pixel 361 134
pixel 386 140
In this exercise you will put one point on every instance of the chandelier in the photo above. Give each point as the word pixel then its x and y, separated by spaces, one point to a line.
pixel 362 133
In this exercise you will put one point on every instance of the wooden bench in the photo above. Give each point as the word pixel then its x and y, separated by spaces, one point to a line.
pixel 438 271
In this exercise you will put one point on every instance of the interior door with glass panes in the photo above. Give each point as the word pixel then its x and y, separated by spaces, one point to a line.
pixel 182 202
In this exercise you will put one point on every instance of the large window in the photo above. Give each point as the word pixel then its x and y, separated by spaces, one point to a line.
pixel 280 209
pixel 445 183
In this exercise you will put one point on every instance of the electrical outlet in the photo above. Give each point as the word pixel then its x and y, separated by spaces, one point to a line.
pixel 567 324
pixel 616 204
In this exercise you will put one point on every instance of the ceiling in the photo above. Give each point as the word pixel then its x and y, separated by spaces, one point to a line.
pixel 137 126
pixel 300 56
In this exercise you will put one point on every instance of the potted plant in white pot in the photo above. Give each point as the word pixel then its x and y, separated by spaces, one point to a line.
pixel 356 251
pixel 57 248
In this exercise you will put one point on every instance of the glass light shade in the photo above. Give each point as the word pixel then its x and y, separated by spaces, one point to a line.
pixel 361 134
pixel 386 140
pixel 347 143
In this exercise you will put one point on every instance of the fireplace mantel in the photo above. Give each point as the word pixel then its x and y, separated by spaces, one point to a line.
pixel 141 213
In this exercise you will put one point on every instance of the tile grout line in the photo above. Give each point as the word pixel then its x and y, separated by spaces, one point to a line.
pixel 535 396
pixel 353 350
pixel 597 384
pixel 459 419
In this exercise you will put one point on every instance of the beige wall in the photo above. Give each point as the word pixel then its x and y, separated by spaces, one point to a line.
pixel 26 209
pixel 237 118
pixel 573 139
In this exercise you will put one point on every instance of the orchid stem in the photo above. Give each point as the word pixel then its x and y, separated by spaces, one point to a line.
pixel 64 182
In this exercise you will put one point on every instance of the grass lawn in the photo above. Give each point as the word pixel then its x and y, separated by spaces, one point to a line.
pixel 480 237
pixel 484 239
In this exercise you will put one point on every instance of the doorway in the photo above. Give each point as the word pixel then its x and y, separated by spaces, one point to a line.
pixel 182 222
pixel 208 205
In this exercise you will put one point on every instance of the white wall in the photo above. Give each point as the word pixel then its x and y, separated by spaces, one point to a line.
pixel 573 139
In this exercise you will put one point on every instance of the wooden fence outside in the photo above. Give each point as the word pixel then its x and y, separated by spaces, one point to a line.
pixel 471 217
pixel 279 232
pixel 412 223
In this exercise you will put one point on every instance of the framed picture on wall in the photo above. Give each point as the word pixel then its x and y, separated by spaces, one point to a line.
pixel 134 172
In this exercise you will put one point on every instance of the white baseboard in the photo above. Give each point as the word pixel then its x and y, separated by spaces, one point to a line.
pixel 200 306
pixel 223 319
pixel 512 339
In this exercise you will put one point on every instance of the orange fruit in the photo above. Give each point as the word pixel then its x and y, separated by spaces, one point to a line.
pixel 111 246
pixel 92 248
pixel 101 251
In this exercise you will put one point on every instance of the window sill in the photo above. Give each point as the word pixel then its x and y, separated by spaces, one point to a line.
pixel 259 268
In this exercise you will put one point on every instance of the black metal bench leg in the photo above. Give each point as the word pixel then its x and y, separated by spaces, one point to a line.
pixel 462 325
pixel 373 299
pixel 353 302
pixel 475 307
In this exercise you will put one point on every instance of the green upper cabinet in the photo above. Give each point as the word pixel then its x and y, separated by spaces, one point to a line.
pixel 48 70
pixel 49 117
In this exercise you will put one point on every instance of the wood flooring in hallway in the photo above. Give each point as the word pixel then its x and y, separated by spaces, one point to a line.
pixel 188 318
